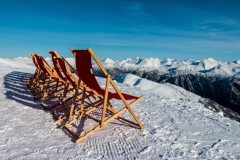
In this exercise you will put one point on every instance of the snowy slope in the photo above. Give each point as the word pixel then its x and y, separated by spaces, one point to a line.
pixel 165 90
pixel 177 125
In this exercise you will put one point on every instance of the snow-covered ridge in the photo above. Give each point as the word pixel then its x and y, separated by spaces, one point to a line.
pixel 206 66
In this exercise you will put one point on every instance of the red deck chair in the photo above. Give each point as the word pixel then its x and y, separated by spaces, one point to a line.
pixel 60 88
pixel 46 84
pixel 33 79
pixel 85 72
pixel 39 79
pixel 39 76
pixel 68 109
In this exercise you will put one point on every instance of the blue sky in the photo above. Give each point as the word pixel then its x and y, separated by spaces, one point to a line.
pixel 181 29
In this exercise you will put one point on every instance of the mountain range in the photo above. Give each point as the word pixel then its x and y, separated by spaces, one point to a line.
pixel 219 81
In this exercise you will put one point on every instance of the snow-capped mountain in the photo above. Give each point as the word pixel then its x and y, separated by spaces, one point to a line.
pixel 209 78
pixel 207 66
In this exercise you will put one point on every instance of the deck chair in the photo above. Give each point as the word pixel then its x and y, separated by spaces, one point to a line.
pixel 62 68
pixel 67 108
pixel 35 82
pixel 46 82
pixel 32 79
pixel 85 72
pixel 60 82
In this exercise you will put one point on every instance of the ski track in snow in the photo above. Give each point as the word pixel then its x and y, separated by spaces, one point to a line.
pixel 174 129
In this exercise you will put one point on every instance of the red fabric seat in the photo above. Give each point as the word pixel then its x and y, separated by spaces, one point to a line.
pixel 64 70
pixel 56 67
pixel 85 72
pixel 41 64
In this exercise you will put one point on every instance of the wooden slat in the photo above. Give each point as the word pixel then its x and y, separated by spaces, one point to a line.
pixel 87 134
pixel 105 102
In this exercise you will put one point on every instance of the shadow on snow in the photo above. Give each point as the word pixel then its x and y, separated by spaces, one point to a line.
pixel 16 89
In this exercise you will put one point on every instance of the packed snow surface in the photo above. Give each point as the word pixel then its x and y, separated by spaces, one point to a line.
pixel 177 125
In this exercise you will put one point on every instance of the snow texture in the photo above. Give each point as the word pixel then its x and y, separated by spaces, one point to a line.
pixel 177 125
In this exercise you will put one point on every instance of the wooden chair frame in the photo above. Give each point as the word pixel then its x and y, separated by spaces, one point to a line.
pixel 73 86
pixel 104 103
pixel 38 82
pixel 32 79
pixel 45 82
pixel 35 80
pixel 60 83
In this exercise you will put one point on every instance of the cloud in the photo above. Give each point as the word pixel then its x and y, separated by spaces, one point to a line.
pixel 137 10
pixel 218 24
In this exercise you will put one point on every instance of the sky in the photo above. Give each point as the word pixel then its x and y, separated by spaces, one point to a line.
pixel 119 29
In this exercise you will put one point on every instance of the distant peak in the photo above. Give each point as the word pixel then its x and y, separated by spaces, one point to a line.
pixel 108 60
pixel 209 60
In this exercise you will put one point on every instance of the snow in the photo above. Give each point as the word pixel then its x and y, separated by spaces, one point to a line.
pixel 224 70
pixel 109 63
pixel 167 61
pixel 207 66
pixel 108 60
pixel 209 63
pixel 177 125
pixel 166 90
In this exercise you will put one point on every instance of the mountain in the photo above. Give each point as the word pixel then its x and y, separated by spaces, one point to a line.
pixel 207 66
pixel 225 91
pixel 178 93
pixel 219 81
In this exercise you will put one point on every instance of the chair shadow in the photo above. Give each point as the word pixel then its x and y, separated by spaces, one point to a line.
pixel 16 89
